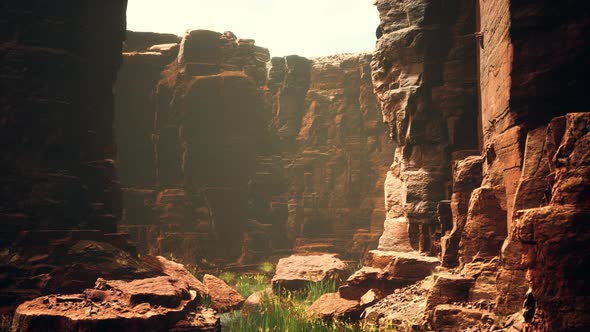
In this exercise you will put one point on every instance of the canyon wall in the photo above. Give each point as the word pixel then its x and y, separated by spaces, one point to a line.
pixel 425 77
pixel 530 60
pixel 296 150
pixel 60 199
pixel 509 176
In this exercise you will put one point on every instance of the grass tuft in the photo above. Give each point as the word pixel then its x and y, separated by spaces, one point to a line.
pixel 286 312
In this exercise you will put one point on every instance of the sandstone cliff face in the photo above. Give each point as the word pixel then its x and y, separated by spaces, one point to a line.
pixel 60 199
pixel 425 77
pixel 326 126
pixel 526 60
pixel 298 154
pixel 499 186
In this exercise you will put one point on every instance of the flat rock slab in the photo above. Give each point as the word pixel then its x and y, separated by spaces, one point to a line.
pixel 331 305
pixel 177 271
pixel 223 297
pixel 294 272
pixel 152 304
pixel 382 258
pixel 387 271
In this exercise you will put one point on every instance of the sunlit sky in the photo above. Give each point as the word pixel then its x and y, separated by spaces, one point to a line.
pixel 303 27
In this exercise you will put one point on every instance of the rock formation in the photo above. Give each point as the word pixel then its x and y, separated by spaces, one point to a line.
pixel 509 184
pixel 60 199
pixel 223 297
pixel 299 154
pixel 154 304
pixel 295 272
pixel 425 77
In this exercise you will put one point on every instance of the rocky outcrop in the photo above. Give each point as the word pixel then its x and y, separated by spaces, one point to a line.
pixel 547 232
pixel 387 271
pixel 155 304
pixel 501 200
pixel 425 77
pixel 300 155
pixel 335 153
pixel 467 176
pixel 191 125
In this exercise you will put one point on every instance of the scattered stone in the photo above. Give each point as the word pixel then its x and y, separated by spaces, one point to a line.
pixel 177 271
pixel 451 318
pixel 294 272
pixel 254 301
pixel 406 305
pixel 223 297
pixel 331 305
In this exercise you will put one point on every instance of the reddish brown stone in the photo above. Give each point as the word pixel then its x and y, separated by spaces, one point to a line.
pixel 223 297
pixel 177 271
pixel 485 228
pixel 331 305
pixel 154 304
pixel 294 272
pixel 449 288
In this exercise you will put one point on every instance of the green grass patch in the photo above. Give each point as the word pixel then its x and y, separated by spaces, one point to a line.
pixel 286 312
pixel 282 314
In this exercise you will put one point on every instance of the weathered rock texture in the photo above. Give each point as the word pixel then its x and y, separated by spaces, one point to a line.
pixel 295 272
pixel 299 154
pixel 59 196
pixel 525 61
pixel 154 304
pixel 425 77
pixel 514 177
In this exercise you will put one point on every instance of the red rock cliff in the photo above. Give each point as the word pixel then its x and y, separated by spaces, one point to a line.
pixel 298 153
pixel 516 207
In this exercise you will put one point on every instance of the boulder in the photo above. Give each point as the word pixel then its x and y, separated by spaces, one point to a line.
pixel 331 305
pixel 386 271
pixel 294 272
pixel 177 271
pixel 152 304
pixel 223 297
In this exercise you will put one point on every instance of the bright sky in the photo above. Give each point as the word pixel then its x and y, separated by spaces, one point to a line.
pixel 303 27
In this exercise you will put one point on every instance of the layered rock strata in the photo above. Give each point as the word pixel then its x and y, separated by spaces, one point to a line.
pixel 528 180
pixel 299 154
pixel 425 77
